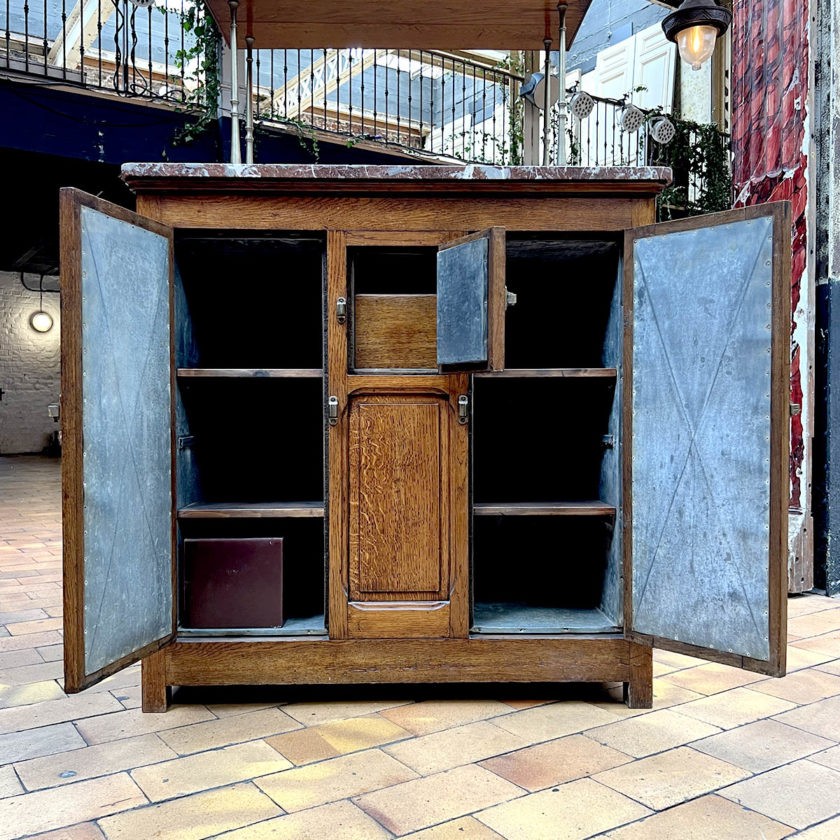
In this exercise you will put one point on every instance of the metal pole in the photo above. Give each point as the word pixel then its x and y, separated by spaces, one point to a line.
pixel 249 102
pixel 235 147
pixel 561 68
pixel 546 99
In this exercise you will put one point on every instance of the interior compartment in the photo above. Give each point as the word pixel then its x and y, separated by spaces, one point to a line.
pixel 303 584
pixel 250 440
pixel 385 269
pixel 567 297
pixel 542 574
pixel 274 319
pixel 540 440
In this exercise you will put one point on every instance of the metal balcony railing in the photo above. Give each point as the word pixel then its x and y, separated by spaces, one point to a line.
pixel 444 105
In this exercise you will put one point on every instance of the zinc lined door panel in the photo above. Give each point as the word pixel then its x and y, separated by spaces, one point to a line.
pixel 399 506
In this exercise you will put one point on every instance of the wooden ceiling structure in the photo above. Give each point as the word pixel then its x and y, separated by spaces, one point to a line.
pixel 401 24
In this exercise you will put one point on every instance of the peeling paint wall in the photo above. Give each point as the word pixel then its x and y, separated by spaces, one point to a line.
pixel 772 160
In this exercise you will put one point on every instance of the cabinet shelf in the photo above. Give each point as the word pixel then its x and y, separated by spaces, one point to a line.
pixel 250 373
pixel 521 618
pixel 252 510
pixel 549 373
pixel 584 508
pixel 296 626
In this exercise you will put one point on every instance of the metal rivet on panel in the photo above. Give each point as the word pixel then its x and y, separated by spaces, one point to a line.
pixel 767 263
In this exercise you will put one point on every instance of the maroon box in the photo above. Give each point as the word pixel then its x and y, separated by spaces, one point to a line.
pixel 233 583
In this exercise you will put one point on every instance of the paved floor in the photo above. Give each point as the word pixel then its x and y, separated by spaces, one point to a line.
pixel 724 754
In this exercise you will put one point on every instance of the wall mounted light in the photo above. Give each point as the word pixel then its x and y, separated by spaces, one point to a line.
pixel 695 27
pixel 40 321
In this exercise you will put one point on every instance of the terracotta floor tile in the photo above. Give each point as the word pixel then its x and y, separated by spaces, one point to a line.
pixel 555 762
pixel 828 644
pixel 312 714
pixel 329 740
pixel 814 624
pixel 202 771
pixel 821 718
pixel 14 658
pixel 519 705
pixel 831 667
pixel 51 653
pixel 111 727
pixel 665 695
pixel 664 780
pixel 222 732
pixel 828 758
pixel 801 687
pixel 338 820
pixel 544 723
pixel 434 715
pixel 762 745
pixel 39 672
pixel 73 707
pixel 9 783
pixel 83 831
pixel 31 743
pixel 50 809
pixel 24 695
pixel 797 658
pixel 735 707
pixel 712 678
pixel 439 751
pixel 52 637
pixel 222 710
pixel 112 757
pixel 829 830
pixel 798 794
pixel 809 603
pixel 569 812
pixel 435 799
pixel 338 778
pixel 193 817
pixel 707 818
pixel 647 734
pixel 38 626
pixel 465 828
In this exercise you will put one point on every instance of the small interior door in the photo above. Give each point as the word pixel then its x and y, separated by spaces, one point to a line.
pixel 116 390
pixel 471 302
pixel 707 415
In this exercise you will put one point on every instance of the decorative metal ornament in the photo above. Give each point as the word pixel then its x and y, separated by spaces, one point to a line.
pixel 663 131
pixel 142 4
pixel 632 118
pixel 581 105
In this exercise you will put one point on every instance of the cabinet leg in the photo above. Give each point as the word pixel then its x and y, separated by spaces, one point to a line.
pixel 155 691
pixel 638 692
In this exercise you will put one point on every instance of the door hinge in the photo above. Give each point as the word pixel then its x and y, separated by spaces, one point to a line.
pixel 795 409
pixel 510 298
pixel 332 410
pixel 463 409
pixel 341 310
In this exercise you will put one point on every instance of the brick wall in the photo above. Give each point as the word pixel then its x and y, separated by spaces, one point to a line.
pixel 29 365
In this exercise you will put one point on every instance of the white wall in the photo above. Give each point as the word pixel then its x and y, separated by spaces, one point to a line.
pixel 30 366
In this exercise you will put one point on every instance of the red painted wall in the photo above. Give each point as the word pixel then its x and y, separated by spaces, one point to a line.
pixel 769 113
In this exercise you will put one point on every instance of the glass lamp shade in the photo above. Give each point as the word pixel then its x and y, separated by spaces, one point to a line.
pixel 696 44
pixel 41 321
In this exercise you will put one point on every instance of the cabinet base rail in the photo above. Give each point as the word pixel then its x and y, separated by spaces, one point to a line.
pixel 345 662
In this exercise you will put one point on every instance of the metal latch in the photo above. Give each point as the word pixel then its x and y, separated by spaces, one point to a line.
pixel 341 310
pixel 608 441
pixel 186 440
pixel 510 298
pixel 332 410
pixel 463 409
pixel 795 409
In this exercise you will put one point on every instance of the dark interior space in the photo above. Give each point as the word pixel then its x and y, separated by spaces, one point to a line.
pixel 394 271
pixel 258 439
pixel 564 289
pixel 539 440
pixel 275 318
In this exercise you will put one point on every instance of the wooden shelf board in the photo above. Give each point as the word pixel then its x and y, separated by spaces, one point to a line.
pixel 251 510
pixel 585 508
pixel 250 373
pixel 549 373
pixel 521 618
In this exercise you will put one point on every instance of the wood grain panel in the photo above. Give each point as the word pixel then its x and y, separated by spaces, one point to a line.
pixel 398 620
pixel 395 331
pixel 488 659
pixel 293 212
pixel 398 496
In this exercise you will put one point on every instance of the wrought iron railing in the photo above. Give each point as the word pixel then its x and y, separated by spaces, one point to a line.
pixel 448 105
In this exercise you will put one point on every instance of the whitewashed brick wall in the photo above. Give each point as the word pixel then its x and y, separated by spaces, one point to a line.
pixel 30 366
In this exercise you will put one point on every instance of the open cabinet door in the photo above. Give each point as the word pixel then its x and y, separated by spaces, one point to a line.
pixel 707 413
pixel 116 392
pixel 471 302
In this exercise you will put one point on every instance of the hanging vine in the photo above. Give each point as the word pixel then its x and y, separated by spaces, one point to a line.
pixel 199 64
